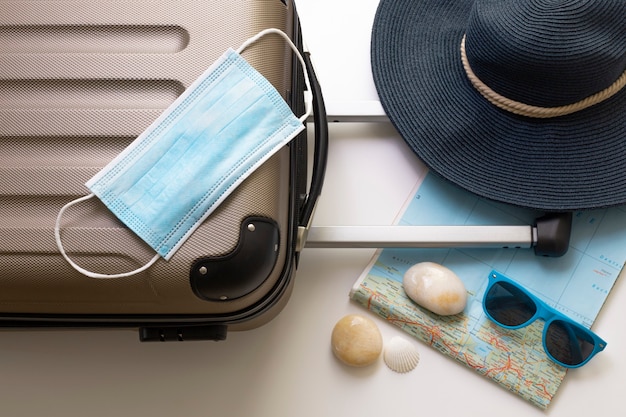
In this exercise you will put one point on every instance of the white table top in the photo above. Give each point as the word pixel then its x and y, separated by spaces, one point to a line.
pixel 286 367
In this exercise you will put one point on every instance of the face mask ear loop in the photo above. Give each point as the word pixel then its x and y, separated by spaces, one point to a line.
pixel 309 95
pixel 57 236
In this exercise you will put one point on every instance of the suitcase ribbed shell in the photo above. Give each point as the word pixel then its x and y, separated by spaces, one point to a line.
pixel 79 80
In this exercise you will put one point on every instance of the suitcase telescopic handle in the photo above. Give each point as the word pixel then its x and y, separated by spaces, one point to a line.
pixel 548 236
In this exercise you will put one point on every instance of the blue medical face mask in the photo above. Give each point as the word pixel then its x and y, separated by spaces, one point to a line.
pixel 178 171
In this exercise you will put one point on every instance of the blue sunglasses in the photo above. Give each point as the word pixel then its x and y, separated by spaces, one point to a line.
pixel 566 342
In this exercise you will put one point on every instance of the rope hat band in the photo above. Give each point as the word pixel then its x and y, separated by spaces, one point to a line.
pixel 537 111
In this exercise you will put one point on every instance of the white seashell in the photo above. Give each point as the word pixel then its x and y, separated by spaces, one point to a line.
pixel 436 288
pixel 401 355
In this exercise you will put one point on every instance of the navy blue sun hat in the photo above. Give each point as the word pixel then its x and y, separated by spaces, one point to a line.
pixel 518 101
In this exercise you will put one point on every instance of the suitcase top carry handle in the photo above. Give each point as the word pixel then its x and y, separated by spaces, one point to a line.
pixel 320 155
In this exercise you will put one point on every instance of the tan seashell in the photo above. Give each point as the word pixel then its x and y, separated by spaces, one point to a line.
pixel 356 340
pixel 401 355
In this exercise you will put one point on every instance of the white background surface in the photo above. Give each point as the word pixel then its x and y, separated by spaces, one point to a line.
pixel 286 367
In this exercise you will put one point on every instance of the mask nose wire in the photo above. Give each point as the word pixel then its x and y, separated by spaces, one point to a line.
pixel 90 274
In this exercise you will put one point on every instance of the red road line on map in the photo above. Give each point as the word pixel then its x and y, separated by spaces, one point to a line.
pixel 544 390
pixel 508 366
pixel 495 341
pixel 472 364
pixel 373 295
pixel 433 331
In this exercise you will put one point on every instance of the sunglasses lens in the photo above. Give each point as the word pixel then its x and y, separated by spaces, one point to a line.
pixel 509 306
pixel 567 343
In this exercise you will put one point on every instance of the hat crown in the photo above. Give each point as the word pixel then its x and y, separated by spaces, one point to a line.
pixel 547 52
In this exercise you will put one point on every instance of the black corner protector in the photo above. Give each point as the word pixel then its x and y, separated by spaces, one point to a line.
pixel 240 272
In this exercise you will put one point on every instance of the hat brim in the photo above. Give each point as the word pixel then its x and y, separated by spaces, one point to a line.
pixel 561 164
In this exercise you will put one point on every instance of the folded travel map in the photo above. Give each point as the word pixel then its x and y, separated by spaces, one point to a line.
pixel 576 284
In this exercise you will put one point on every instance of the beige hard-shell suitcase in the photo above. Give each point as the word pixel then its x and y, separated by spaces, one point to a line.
pixel 79 81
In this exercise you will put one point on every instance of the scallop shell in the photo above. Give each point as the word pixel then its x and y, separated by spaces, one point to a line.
pixel 401 355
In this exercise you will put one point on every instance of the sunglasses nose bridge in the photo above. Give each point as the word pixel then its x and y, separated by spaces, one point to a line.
pixel 545 330
pixel 544 313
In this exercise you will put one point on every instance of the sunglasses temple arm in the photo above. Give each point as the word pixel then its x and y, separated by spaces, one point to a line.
pixel 576 353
